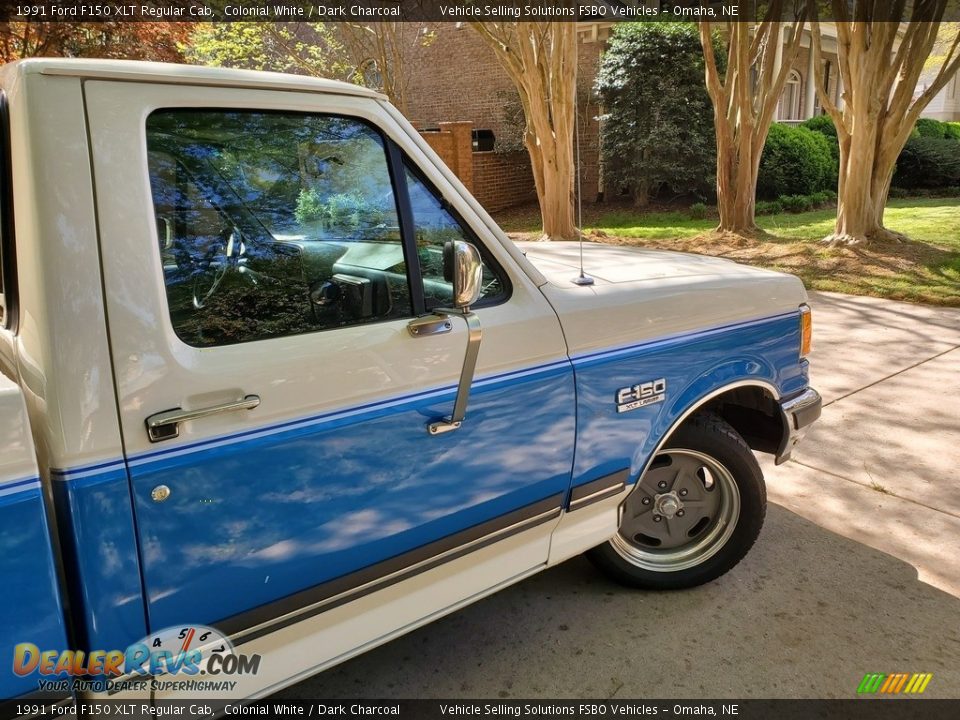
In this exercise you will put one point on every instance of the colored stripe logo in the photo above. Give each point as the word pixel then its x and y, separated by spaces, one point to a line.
pixel 894 683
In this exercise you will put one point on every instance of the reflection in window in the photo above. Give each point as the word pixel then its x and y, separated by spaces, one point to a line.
pixel 273 224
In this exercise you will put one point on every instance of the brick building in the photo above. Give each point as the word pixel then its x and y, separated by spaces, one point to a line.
pixel 457 79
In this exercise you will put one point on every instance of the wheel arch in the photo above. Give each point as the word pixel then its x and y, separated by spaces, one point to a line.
pixel 750 405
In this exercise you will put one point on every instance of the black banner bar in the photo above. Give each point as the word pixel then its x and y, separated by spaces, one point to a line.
pixel 73 11
pixel 872 708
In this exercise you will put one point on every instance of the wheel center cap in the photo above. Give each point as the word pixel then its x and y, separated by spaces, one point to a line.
pixel 667 504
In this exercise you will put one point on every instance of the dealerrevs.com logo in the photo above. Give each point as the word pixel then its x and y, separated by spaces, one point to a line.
pixel 182 658
pixel 894 683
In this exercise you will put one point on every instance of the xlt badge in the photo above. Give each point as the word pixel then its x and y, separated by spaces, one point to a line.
pixel 638 396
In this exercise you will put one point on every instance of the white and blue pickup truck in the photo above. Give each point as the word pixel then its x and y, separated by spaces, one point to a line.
pixel 275 389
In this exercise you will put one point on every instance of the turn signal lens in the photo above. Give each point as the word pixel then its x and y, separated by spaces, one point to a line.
pixel 806 330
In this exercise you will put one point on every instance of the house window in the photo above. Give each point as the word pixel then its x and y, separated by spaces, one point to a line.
pixel 789 108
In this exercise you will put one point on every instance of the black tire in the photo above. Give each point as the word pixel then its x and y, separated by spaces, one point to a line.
pixel 636 561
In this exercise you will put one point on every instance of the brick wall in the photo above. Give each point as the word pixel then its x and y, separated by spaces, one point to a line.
pixel 501 180
pixel 453 142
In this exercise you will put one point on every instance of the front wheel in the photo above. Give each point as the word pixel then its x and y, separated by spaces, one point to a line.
pixel 694 514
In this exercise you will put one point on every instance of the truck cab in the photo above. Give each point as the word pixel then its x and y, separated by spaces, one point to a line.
pixel 278 389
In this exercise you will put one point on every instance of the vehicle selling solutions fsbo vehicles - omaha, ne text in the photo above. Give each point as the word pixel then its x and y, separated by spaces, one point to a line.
pixel 272 376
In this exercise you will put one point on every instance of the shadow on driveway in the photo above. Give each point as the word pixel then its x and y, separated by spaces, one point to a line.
pixel 806 614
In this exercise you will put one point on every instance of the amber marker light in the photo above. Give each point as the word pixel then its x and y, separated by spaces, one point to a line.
pixel 806 330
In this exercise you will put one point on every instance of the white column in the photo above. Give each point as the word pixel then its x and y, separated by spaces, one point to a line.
pixel 777 64
pixel 778 54
pixel 810 88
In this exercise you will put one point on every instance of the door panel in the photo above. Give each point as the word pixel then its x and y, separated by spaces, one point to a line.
pixel 334 471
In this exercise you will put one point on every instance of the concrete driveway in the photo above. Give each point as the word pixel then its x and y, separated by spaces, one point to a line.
pixel 857 569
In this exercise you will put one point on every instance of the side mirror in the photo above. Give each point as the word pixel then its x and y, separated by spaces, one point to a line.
pixel 463 268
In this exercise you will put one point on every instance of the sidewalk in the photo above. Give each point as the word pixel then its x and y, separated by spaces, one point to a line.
pixel 882 466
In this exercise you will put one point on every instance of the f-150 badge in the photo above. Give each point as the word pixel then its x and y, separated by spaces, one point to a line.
pixel 638 396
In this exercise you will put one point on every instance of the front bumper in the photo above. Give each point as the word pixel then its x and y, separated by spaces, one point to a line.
pixel 798 414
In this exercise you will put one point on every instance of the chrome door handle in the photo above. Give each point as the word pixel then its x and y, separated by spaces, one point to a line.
pixel 166 425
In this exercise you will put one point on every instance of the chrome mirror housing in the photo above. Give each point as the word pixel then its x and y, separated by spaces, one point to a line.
pixel 463 268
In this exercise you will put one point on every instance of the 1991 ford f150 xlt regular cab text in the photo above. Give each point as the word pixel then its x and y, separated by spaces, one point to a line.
pixel 276 389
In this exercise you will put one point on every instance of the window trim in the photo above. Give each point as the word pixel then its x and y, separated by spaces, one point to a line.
pixel 471 235
pixel 408 230
pixel 8 255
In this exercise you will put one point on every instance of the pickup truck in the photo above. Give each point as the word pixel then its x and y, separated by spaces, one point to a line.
pixel 276 389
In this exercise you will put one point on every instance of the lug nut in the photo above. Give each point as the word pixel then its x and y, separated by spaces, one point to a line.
pixel 662 484
pixel 646 501
pixel 683 493
pixel 657 518
pixel 681 513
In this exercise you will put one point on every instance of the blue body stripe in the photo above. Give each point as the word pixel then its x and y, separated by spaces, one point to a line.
pixel 440 392
pixel 16 490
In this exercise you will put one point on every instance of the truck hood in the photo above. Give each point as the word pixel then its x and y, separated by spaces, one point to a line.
pixel 641 294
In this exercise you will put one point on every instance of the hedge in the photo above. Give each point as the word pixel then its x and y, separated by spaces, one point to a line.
pixel 795 161
pixel 928 162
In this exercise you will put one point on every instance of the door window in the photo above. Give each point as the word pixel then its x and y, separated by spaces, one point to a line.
pixel 273 224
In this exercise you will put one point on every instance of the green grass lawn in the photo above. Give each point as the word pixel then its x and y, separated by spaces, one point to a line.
pixel 925 269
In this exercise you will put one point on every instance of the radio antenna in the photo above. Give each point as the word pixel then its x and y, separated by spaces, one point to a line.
pixel 582 278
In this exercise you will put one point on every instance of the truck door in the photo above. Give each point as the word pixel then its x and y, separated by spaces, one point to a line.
pixel 262 269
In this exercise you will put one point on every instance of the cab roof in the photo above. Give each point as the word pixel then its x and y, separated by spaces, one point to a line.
pixel 135 70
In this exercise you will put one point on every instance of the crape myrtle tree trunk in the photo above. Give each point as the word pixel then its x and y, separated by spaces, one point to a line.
pixel 744 100
pixel 880 63
pixel 541 60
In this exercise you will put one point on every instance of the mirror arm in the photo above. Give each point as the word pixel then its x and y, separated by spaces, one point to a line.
pixel 466 374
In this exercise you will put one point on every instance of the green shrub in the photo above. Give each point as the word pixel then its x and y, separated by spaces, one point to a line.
pixel 823 124
pixel 795 161
pixel 309 207
pixel 930 128
pixel 698 211
pixel 898 192
pixel 768 207
pixel 951 130
pixel 340 209
pixel 796 203
pixel 658 121
pixel 820 198
pixel 928 163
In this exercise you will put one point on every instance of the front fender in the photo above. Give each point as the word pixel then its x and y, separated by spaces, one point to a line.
pixel 695 367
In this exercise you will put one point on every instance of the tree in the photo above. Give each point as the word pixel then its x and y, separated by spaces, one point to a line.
pixel 540 59
pixel 370 54
pixel 658 124
pixel 379 51
pixel 128 40
pixel 300 48
pixel 744 100
pixel 880 63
